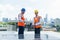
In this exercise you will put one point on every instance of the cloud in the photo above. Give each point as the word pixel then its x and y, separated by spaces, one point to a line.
pixel 51 7
pixel 8 11
pixel 33 0
pixel 54 9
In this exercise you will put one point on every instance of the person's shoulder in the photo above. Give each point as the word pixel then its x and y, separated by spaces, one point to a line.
pixel 19 14
pixel 34 17
pixel 39 16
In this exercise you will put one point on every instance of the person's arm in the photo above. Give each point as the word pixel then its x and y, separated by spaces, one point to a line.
pixel 19 18
pixel 33 22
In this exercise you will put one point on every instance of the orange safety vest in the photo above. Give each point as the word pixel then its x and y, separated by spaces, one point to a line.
pixel 36 19
pixel 21 23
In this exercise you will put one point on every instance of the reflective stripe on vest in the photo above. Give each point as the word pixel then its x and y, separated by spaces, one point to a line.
pixel 21 23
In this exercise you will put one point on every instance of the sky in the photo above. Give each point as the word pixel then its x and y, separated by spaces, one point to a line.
pixel 11 8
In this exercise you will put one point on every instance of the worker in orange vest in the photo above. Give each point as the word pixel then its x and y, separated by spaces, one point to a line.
pixel 21 24
pixel 37 24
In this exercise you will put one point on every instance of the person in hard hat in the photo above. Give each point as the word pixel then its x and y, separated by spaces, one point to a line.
pixel 21 24
pixel 37 24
